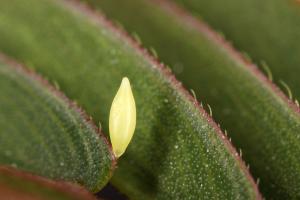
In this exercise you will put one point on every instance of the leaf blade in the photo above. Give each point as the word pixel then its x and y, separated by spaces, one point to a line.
pixel 54 137
pixel 265 43
pixel 165 109
pixel 246 103
pixel 20 185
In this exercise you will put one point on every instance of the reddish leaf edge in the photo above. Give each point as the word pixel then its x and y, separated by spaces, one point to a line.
pixel 68 188
pixel 71 104
pixel 219 40
pixel 98 18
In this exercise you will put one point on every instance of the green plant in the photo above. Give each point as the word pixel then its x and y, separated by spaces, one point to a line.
pixel 268 30
pixel 19 185
pixel 177 151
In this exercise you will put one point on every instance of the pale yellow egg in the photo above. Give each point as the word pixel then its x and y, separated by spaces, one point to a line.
pixel 122 118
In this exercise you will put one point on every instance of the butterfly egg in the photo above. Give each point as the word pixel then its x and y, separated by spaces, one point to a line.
pixel 122 118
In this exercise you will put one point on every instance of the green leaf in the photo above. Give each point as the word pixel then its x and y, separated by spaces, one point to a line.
pixel 177 151
pixel 15 184
pixel 44 133
pixel 268 30
pixel 260 119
